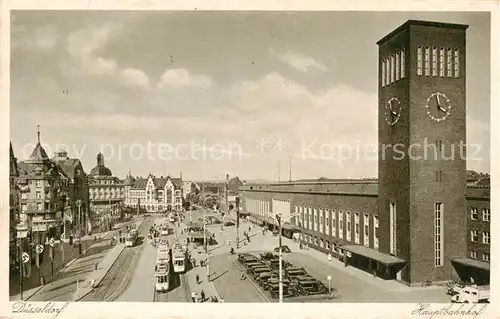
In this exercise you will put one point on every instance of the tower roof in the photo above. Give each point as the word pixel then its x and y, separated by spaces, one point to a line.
pixel 409 23
pixel 39 153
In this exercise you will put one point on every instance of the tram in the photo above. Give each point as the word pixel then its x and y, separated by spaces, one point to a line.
pixel 131 238
pixel 179 260
pixel 162 271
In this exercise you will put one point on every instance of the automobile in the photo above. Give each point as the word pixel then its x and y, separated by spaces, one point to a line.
pixel 229 223
pixel 456 288
pixel 284 249
pixel 268 256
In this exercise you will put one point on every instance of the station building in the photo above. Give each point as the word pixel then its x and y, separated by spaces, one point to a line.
pixel 413 223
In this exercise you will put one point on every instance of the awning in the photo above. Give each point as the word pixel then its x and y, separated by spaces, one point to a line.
pixel 290 227
pixel 373 254
pixel 472 263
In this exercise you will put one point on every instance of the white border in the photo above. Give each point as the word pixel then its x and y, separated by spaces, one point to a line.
pixel 231 310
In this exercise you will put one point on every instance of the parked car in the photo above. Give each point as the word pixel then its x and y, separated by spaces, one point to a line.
pixel 284 249
pixel 229 223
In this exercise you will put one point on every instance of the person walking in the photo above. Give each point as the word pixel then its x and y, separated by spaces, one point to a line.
pixel 197 279
pixel 193 296
pixel 202 295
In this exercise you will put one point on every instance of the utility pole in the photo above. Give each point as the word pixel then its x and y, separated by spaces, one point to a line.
pixel 278 218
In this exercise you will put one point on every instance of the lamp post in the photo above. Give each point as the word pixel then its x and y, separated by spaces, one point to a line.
pixel 278 218
pixel 279 221
pixel 22 233
pixel 78 204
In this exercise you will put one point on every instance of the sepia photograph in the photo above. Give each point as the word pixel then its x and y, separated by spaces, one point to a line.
pixel 211 156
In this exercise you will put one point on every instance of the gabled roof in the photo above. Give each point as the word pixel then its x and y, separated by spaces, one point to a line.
pixel 159 182
pixel 69 166
pixel 13 171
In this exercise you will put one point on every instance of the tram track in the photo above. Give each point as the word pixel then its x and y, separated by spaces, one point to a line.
pixel 118 277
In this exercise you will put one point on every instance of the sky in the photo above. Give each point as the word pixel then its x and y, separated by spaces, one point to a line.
pixel 215 93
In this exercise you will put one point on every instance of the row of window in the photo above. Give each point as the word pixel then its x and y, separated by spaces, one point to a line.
pixel 434 61
pixel 107 196
pixel 474 215
pixel 327 221
pixel 473 255
pixel 393 68
pixel 474 237
pixel 320 242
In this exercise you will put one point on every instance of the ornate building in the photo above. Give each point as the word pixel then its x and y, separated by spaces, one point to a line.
pixel 106 193
pixel 43 186
pixel 154 194
pixel 78 192
pixel 14 206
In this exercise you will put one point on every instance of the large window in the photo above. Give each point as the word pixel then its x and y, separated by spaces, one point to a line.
pixel 327 221
pixel 449 63
pixel 402 63
pixel 392 212
pixel 341 224
pixel 457 63
pixel 441 62
pixel 434 61
pixel 397 66
pixel 438 234
pixel 334 223
pixel 419 60
pixel 356 228
pixel 382 72
pixel 348 226
pixel 427 61
pixel 315 220
pixel 392 69
pixel 321 216
pixel 375 232
pixel 366 238
pixel 473 254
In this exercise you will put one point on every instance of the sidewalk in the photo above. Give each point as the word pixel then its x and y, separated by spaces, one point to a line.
pixel 99 274
pixel 205 285
pixel 64 282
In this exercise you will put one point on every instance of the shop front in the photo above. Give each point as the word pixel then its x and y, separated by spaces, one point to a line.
pixel 372 261
pixel 472 270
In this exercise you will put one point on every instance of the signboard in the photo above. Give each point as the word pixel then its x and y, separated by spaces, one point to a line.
pixel 39 249
pixel 51 242
pixel 328 278
pixel 25 257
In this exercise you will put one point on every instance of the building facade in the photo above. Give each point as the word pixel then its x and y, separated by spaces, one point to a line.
pixel 43 187
pixel 154 194
pixel 78 193
pixel 106 195
pixel 411 223
pixel 14 208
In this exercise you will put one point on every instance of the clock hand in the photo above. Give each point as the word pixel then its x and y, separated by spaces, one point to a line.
pixel 438 102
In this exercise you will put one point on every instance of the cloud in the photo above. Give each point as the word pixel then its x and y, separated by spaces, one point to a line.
pixel 83 44
pixel 43 38
pixel 135 77
pixel 299 62
pixel 181 78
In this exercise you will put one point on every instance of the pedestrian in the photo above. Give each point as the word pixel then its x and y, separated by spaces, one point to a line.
pixel 202 295
pixel 95 267
pixel 193 296
pixel 249 229
pixel 197 279
pixel 374 273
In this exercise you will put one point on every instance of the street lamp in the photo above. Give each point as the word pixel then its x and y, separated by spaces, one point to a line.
pixel 22 233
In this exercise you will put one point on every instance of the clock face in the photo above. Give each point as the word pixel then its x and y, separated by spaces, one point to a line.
pixel 438 106
pixel 392 111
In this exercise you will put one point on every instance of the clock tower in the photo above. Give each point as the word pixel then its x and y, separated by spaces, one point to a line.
pixel 422 167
